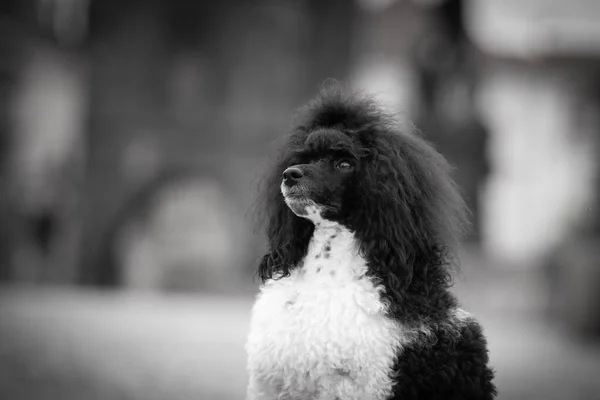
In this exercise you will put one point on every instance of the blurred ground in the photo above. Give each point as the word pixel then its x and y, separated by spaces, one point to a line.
pixel 74 344
pixel 82 345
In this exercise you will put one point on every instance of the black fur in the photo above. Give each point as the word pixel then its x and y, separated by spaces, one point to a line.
pixel 452 367
pixel 407 215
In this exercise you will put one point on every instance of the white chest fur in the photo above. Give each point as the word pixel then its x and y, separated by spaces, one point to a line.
pixel 321 333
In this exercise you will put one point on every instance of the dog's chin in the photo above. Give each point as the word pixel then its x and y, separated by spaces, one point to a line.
pixel 304 207
pixel 299 204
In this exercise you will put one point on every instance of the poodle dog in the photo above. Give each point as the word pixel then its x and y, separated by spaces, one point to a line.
pixel 355 303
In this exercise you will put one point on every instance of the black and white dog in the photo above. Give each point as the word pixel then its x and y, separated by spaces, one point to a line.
pixel 355 304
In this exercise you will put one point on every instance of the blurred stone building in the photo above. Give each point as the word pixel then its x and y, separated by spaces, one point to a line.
pixel 127 114
pixel 541 98
pixel 133 132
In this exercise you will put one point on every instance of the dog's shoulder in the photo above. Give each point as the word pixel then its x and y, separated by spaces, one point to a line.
pixel 449 362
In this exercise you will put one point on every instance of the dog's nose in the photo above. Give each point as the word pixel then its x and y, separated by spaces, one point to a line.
pixel 291 175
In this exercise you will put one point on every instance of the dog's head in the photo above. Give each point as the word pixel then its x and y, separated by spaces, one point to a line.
pixel 348 162
pixel 318 184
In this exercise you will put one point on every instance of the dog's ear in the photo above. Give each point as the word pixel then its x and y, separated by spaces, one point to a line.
pixel 288 235
pixel 266 267
pixel 410 210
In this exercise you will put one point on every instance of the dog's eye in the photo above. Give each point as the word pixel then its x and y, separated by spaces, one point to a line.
pixel 343 165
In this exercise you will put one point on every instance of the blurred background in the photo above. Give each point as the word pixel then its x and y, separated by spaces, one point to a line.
pixel 132 136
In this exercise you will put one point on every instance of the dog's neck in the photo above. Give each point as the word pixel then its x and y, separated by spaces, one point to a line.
pixel 333 253
pixel 333 256
pixel 332 247
pixel 331 240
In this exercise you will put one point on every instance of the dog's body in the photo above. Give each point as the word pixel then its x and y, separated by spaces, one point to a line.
pixel 322 332
pixel 355 305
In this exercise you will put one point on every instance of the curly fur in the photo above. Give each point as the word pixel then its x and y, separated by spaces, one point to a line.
pixel 405 217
